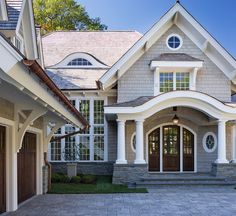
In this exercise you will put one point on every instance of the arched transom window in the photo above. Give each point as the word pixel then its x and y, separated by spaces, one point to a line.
pixel 79 62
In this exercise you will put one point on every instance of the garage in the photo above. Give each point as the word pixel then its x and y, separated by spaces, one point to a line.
pixel 26 160
pixel 2 169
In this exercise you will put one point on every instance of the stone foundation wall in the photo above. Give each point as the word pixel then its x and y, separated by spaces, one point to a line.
pixel 45 179
pixel 128 173
pixel 94 168
pixel 225 170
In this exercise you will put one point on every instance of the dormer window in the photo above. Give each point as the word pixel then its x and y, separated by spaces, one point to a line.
pixel 79 62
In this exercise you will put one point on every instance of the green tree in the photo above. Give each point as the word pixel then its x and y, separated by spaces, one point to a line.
pixel 54 15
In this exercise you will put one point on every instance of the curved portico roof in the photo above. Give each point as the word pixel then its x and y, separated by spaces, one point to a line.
pixel 144 107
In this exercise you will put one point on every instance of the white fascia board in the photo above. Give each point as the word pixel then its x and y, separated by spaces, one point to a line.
pixel 4 10
pixel 9 56
pixel 21 75
pixel 176 64
pixel 139 45
pixel 187 95
pixel 208 37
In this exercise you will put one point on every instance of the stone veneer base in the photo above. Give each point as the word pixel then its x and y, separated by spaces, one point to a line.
pixel 128 173
pixel 93 168
pixel 227 170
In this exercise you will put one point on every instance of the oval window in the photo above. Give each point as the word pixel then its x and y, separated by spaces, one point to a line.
pixel 174 42
pixel 209 142
pixel 133 142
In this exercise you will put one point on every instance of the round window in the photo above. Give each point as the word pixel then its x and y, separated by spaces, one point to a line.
pixel 174 42
pixel 209 142
pixel 133 142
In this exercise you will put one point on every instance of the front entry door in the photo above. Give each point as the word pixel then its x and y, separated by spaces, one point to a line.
pixel 27 168
pixel 154 150
pixel 2 169
pixel 171 148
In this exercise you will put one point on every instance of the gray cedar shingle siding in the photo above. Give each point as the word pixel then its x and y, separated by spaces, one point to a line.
pixel 13 12
pixel 138 80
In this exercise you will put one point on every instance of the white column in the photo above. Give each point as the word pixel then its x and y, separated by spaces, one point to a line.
pixel 121 142
pixel 139 143
pixel 221 142
pixel 233 132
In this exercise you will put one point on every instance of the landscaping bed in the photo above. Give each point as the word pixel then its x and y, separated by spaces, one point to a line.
pixel 88 184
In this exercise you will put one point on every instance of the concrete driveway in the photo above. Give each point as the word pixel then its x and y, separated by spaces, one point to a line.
pixel 166 201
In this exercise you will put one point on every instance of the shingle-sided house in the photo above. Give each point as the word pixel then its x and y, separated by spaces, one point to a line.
pixel 157 103
pixel 32 107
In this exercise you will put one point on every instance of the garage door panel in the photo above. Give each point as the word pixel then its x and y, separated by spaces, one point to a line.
pixel 27 168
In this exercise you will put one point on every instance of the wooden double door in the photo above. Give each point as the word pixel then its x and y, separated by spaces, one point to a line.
pixel 2 169
pixel 26 160
pixel 165 141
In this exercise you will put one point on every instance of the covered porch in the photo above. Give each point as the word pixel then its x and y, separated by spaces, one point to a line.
pixel 175 132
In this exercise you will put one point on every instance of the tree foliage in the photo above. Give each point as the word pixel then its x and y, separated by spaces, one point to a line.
pixel 54 15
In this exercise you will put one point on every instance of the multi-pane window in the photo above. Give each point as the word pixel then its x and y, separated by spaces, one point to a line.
pixel 98 112
pixel 166 82
pixel 90 144
pixel 98 130
pixel 84 148
pixel 79 62
pixel 182 81
pixel 56 150
pixel 170 81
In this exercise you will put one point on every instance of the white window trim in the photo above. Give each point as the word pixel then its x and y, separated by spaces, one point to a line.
pixel 174 35
pixel 91 134
pixel 131 142
pixel 192 77
pixel 204 142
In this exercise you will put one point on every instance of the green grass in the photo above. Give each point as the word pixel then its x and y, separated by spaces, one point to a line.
pixel 102 186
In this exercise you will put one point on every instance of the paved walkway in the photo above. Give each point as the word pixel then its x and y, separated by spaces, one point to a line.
pixel 167 201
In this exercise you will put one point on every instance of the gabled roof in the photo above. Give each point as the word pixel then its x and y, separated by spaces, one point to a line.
pixel 13 12
pixel 36 69
pixel 179 16
pixel 106 46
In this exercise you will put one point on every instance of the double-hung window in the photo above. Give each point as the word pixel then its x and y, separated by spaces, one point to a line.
pixel 170 81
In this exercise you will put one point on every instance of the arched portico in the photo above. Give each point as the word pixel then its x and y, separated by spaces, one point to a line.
pixel 142 108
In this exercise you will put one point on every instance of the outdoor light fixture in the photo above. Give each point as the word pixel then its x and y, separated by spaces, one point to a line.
pixel 175 120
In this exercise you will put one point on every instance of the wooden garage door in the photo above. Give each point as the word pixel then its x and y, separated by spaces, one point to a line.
pixel 27 168
pixel 2 169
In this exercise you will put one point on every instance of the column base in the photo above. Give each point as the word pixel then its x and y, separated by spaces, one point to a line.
pixel 121 161
pixel 221 161
pixel 139 162
pixel 233 161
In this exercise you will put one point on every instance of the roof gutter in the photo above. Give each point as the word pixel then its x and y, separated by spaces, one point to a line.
pixel 37 69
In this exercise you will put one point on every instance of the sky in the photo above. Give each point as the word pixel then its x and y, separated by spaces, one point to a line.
pixel 217 16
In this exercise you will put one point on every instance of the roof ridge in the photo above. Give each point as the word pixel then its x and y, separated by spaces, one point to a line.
pixel 92 31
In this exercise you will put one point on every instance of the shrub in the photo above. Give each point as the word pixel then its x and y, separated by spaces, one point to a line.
pixel 56 178
pixel 65 179
pixel 88 179
pixel 75 179
pixel 60 178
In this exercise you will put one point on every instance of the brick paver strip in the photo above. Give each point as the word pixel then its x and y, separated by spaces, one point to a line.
pixel 166 201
